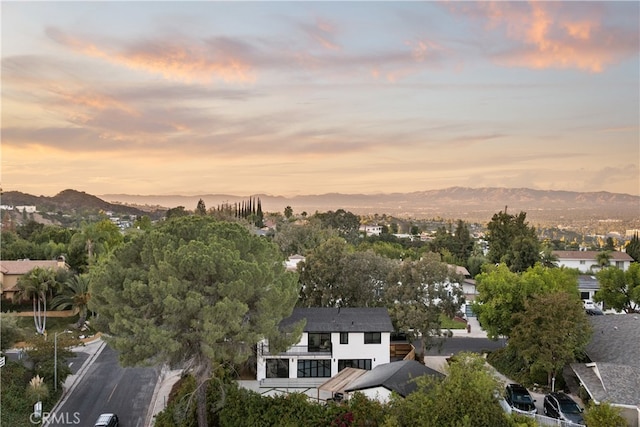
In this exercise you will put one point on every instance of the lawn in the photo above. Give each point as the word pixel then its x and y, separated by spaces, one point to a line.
pixel 448 323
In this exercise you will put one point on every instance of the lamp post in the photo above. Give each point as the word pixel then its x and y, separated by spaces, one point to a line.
pixel 55 358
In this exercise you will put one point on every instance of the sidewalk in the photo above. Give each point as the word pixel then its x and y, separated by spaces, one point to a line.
pixel 475 330
pixel 161 393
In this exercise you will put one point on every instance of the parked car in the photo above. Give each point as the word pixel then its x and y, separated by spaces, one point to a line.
pixel 107 420
pixel 563 407
pixel 589 305
pixel 519 399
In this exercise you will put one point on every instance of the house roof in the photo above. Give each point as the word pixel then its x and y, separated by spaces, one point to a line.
pixel 348 319
pixel 342 380
pixel 23 266
pixel 588 283
pixel 395 376
pixel 591 255
pixel 614 374
pixel 619 384
pixel 615 337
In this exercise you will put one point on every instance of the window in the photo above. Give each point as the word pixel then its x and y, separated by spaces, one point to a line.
pixel 582 262
pixel 354 363
pixel 372 338
pixel 344 337
pixel 584 295
pixel 319 342
pixel 314 368
pixel 277 368
pixel 620 265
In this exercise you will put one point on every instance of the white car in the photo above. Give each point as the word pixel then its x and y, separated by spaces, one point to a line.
pixel 589 305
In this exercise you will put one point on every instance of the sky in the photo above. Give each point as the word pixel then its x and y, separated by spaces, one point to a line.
pixel 295 98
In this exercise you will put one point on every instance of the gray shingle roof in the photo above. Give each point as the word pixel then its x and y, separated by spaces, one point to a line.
pixel 324 319
pixel 614 375
pixel 395 376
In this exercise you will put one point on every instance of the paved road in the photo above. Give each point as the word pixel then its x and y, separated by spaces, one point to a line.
pixel 449 346
pixel 107 387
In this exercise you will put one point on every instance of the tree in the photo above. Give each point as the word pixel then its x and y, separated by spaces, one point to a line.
pixel 502 293
pixel 465 398
pixel 193 292
pixel 201 209
pixel 547 257
pixel 35 285
pixel 321 274
pixel 288 212
pixel 603 259
pixel 633 248
pixel 74 295
pixel 345 223
pixel 512 241
pixel 419 292
pixel 619 289
pixel 93 242
pixel 293 238
pixel 604 414
pixel 178 211
pixel 551 332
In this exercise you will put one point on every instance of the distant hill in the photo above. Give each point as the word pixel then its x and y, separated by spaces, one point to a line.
pixel 67 200
pixel 472 204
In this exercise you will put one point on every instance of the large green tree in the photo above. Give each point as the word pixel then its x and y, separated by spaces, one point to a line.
pixel 465 398
pixel 419 292
pixel 551 332
pixel 619 289
pixel 345 223
pixel 633 248
pixel 512 241
pixel 503 293
pixel 193 292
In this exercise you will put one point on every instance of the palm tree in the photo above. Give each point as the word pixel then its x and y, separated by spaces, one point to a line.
pixel 547 257
pixel 34 286
pixel 603 259
pixel 75 295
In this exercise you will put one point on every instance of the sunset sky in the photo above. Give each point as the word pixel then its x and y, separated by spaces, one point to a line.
pixel 292 98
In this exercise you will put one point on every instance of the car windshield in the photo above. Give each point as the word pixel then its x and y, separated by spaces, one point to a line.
pixel 522 398
pixel 569 407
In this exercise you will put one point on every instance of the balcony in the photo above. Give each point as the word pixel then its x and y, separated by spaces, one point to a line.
pixel 298 350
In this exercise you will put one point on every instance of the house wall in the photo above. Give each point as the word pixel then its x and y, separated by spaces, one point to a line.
pixel 586 265
pixel 355 349
pixel 380 394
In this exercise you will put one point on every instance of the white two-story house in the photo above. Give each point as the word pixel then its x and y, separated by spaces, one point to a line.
pixel 587 261
pixel 332 339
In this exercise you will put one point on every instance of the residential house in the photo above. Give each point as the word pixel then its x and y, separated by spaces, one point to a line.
pixel 588 286
pixel 612 373
pixel 291 264
pixel 587 261
pixel 333 339
pixel 395 377
pixel 371 230
pixel 11 271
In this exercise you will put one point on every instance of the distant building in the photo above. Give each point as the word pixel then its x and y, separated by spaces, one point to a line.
pixel 27 209
pixel 12 271
pixel 587 261
pixel 371 230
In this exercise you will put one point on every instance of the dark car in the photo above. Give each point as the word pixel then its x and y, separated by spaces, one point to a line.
pixel 519 399
pixel 107 420
pixel 563 407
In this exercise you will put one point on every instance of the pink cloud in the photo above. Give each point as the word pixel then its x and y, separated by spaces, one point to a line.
pixel 553 34
pixel 174 59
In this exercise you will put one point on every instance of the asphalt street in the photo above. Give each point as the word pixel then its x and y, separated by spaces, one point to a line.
pixel 108 387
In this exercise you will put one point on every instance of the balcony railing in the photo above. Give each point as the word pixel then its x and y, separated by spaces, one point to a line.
pixel 297 350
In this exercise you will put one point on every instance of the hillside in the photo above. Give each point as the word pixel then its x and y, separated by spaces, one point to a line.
pixel 67 200
pixel 472 204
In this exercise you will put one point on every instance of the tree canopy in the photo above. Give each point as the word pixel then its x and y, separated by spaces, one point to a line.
pixel 193 292
pixel 512 241
pixel 502 293
pixel 619 289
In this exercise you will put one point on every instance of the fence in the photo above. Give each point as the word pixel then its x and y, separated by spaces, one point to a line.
pixel 543 420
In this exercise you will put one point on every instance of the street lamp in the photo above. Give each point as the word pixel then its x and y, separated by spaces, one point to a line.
pixel 55 358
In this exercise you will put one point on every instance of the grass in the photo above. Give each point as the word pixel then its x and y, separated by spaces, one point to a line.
pixel 448 323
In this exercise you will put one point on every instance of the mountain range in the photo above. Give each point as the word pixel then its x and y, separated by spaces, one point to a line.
pixel 473 204
pixel 470 204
